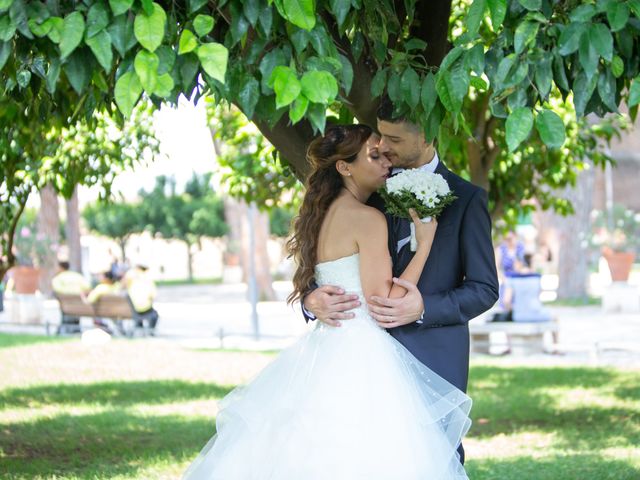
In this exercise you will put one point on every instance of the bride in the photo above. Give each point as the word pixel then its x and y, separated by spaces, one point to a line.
pixel 348 402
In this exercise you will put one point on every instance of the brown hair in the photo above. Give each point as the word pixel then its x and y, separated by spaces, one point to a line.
pixel 323 185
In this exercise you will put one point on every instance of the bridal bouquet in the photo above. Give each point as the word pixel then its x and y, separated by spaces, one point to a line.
pixel 427 193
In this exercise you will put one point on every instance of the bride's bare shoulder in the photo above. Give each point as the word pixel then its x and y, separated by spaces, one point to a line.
pixel 367 219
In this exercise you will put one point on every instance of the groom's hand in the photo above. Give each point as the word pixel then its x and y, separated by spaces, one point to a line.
pixel 331 304
pixel 395 312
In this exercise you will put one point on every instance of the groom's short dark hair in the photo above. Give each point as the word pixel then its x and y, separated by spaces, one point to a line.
pixel 386 111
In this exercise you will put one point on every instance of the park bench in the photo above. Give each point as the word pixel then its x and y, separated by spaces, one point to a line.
pixel 524 337
pixel 117 308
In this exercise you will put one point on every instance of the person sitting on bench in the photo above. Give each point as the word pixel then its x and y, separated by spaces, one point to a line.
pixel 142 292
pixel 68 282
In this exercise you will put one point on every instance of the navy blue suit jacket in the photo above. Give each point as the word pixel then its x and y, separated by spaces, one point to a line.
pixel 458 283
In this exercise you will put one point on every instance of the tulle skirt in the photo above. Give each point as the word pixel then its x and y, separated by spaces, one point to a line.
pixel 347 403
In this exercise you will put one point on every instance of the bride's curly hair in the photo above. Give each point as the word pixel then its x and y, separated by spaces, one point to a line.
pixel 342 142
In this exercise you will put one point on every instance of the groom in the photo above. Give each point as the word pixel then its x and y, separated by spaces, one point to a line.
pixel 459 281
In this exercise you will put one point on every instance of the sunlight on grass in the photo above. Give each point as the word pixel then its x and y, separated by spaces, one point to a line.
pixel 143 409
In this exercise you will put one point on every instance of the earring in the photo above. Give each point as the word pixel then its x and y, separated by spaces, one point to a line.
pixel 349 174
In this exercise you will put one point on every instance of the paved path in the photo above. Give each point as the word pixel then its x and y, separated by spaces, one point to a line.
pixel 198 316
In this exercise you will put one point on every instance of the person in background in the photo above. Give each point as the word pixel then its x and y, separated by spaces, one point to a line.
pixel 108 285
pixel 142 292
pixel 68 282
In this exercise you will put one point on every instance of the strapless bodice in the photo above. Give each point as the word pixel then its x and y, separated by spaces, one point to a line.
pixel 345 272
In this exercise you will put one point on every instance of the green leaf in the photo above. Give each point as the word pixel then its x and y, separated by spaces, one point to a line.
pixel 393 88
pixel 251 10
pixel 607 90
pixel 203 24
pixel 518 127
pixel 544 76
pixel 55 33
pixel 525 35
pixel 300 12
pixel 72 33
pixel 588 56
pixel 602 40
pixel 121 33
pixel 617 66
pixel 118 7
pixel 97 19
pixel 583 89
pixel 146 66
pixel 248 97
pixel 286 85
pixel 550 128
pixel 164 85
pixel 271 60
pixel 634 92
pixel 39 29
pixel 497 11
pixel 149 29
pixel 100 45
pixel 504 68
pixel 188 42
pixel 583 13
pixel 127 91
pixel 340 8
pixel 188 68
pixel 4 4
pixel 319 86
pixel 317 114
pixel 298 109
pixel 559 73
pixel 618 15
pixel 475 16
pixel 428 94
pixel 570 38
pixel 53 73
pixel 5 51
pixel 266 19
pixel 531 4
pixel 195 5
pixel 478 83
pixel 635 7
pixel 214 57
pixel 23 78
pixel 167 58
pixel 378 83
pixel 347 73
pixel 410 84
pixel 78 69
pixel 474 59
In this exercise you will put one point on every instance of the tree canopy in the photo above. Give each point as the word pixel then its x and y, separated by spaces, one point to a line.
pixel 482 76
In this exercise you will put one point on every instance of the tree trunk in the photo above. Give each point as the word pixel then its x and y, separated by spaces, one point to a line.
pixel 189 262
pixel 122 242
pixel 237 216
pixel 573 258
pixel 49 230
pixel 72 230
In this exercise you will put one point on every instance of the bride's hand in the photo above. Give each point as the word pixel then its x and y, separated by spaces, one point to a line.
pixel 425 232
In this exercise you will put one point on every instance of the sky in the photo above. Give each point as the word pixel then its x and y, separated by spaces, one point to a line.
pixel 185 147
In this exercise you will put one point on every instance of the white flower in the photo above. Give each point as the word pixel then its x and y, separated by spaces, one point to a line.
pixel 427 187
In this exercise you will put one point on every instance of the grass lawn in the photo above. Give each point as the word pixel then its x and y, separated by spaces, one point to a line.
pixel 143 409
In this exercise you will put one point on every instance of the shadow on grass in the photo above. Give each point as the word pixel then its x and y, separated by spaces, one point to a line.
pixel 516 399
pixel 552 468
pixel 101 445
pixel 9 340
pixel 112 393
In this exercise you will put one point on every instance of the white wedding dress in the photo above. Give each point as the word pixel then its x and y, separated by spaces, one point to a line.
pixel 348 403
